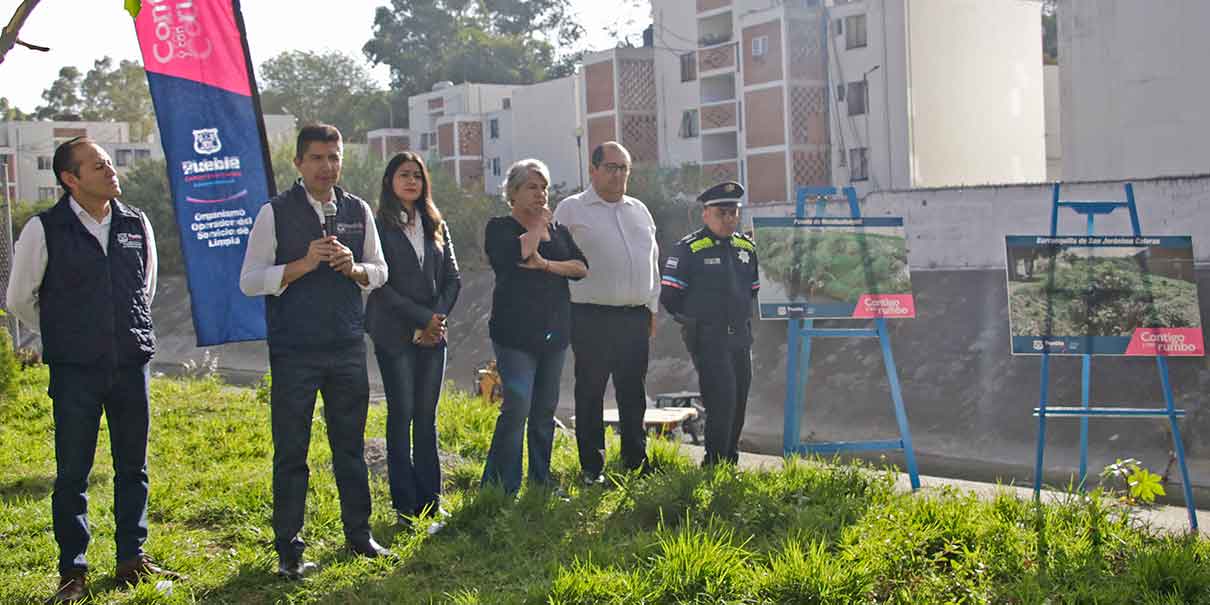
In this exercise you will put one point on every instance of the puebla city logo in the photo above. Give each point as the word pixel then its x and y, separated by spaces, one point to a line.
pixel 206 141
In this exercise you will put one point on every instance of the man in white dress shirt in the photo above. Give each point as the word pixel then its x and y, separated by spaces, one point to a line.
pixel 83 276
pixel 613 309
pixel 312 267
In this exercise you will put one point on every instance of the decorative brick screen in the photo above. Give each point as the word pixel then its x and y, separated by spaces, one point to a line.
pixel 636 84
pixel 639 135
pixel 719 57
pixel 808 115
pixel 470 138
pixel 718 116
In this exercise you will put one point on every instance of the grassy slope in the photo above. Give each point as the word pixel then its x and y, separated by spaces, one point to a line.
pixel 806 534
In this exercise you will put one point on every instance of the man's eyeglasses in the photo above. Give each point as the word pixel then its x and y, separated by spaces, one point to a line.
pixel 613 168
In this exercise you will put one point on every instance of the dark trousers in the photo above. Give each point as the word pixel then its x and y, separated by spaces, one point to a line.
pixel 412 380
pixel 724 376
pixel 531 393
pixel 80 395
pixel 340 375
pixel 610 341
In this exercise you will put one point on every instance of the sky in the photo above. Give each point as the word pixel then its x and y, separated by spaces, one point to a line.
pixel 82 31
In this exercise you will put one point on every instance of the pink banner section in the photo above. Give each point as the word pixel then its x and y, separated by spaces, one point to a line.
pixel 885 305
pixel 1167 342
pixel 196 40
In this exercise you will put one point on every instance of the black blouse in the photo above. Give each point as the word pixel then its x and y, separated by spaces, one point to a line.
pixel 531 309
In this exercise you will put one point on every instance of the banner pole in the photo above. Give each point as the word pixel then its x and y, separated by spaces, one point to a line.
pixel 260 114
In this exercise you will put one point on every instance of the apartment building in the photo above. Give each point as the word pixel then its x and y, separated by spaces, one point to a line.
pixel 27 150
pixel 884 94
pixel 1133 88
pixel 542 122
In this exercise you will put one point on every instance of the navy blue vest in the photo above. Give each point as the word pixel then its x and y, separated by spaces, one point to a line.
pixel 93 307
pixel 323 309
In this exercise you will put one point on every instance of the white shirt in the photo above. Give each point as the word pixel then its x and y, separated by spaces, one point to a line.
pixel 259 276
pixel 29 262
pixel 414 231
pixel 618 239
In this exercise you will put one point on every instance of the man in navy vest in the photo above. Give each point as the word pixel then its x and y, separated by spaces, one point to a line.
pixel 313 281
pixel 84 273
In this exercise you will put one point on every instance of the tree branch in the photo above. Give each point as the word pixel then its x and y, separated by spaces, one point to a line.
pixel 8 37
pixel 41 49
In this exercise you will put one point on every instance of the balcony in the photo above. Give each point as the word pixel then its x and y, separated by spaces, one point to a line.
pixel 718 147
pixel 715 58
pixel 717 88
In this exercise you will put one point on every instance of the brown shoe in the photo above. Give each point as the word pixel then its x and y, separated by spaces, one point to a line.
pixel 133 571
pixel 72 587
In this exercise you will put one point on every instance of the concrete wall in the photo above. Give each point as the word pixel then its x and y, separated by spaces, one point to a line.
pixel 1133 87
pixel 544 127
pixel 975 70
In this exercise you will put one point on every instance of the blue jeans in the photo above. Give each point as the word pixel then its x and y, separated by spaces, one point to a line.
pixel 79 395
pixel 412 380
pixel 531 392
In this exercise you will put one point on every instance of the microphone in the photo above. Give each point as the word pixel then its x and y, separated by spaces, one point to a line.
pixel 329 209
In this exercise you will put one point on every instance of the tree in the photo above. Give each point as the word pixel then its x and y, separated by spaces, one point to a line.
pixel 493 41
pixel 330 87
pixel 145 187
pixel 62 98
pixel 9 112
pixel 1050 32
pixel 118 94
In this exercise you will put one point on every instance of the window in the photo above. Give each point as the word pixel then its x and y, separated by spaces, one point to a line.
pixel 495 166
pixel 840 92
pixel 837 27
pixel 142 154
pixel 688 67
pixel 859 169
pixel 856 98
pixel 689 124
pixel 854 32
pixel 122 157
pixel 45 163
pixel 760 46
pixel 507 103
pixel 47 193
pixel 494 128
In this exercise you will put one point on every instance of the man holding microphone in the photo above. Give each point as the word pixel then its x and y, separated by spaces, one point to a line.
pixel 312 252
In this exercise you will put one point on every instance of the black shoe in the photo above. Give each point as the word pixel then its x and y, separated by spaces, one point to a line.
pixel 73 587
pixel 294 569
pixel 592 480
pixel 368 548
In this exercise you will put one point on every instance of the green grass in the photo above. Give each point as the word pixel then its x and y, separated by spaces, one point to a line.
pixel 806 533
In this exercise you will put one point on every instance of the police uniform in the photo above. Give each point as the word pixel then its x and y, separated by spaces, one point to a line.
pixel 708 284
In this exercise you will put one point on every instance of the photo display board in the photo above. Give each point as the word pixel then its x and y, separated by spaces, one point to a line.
pixel 833 267
pixel 1103 295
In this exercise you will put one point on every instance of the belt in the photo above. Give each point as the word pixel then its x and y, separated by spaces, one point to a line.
pixel 608 308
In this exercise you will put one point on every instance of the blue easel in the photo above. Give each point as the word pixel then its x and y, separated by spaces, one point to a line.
pixel 1091 209
pixel 799 334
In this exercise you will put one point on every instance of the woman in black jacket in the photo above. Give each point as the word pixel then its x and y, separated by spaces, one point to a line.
pixel 406 320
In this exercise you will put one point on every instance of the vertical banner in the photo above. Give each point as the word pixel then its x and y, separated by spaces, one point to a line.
pixel 199 72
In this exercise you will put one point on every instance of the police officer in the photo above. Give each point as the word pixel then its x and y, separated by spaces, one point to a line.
pixel 708 283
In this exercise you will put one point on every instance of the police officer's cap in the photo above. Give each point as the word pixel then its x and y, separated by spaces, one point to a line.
pixel 725 193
